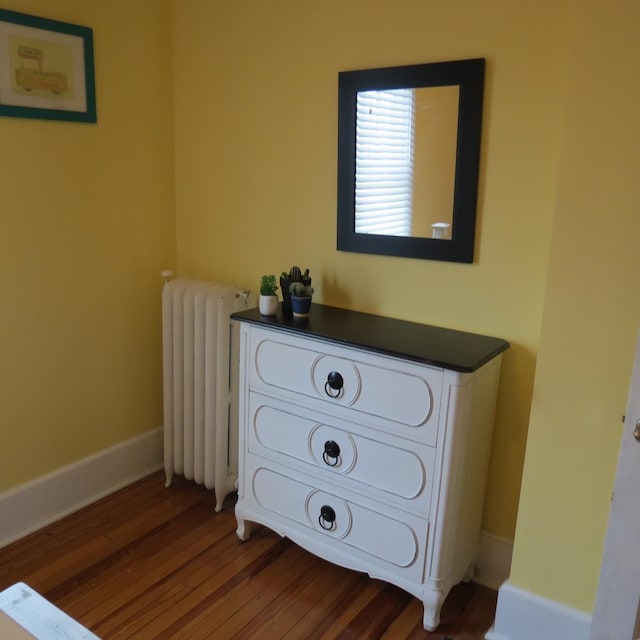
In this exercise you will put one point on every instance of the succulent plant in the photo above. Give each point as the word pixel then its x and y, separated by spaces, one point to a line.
pixel 268 286
pixel 295 275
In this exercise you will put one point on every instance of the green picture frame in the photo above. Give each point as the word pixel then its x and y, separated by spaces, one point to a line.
pixel 46 69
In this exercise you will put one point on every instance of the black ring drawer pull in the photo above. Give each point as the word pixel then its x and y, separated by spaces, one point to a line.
pixel 331 454
pixel 327 518
pixel 333 385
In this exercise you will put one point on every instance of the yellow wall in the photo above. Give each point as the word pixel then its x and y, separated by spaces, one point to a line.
pixel 256 149
pixel 86 225
pixel 591 315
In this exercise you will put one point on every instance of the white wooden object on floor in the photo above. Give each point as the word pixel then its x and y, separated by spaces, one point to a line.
pixel 371 461
pixel 617 611
pixel 39 617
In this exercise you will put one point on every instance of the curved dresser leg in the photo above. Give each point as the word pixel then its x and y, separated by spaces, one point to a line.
pixel 244 529
pixel 432 601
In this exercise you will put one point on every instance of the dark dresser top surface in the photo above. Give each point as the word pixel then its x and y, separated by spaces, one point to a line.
pixel 447 348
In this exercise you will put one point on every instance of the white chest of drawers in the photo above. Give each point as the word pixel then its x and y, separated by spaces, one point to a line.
pixel 366 441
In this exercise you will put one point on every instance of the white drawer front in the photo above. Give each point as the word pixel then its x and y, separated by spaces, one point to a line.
pixel 387 539
pixel 376 387
pixel 396 469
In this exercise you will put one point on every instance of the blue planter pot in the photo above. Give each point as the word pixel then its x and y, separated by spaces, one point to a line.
pixel 300 306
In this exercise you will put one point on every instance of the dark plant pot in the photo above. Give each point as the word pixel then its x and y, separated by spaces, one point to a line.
pixel 286 297
pixel 300 306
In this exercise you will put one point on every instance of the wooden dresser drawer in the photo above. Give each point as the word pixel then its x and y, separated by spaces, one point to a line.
pixel 391 540
pixel 394 470
pixel 377 390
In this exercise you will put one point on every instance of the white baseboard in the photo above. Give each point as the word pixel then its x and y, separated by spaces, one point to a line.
pixel 46 499
pixel 494 560
pixel 522 615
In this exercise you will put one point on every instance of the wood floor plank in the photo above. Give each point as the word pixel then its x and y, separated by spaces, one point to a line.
pixel 408 622
pixel 156 563
pixel 96 534
pixel 299 607
pixel 106 588
pixel 278 618
pixel 144 608
pixel 373 619
pixel 50 539
pixel 230 609
pixel 344 612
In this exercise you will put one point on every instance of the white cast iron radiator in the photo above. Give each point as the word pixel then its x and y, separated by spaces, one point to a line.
pixel 200 379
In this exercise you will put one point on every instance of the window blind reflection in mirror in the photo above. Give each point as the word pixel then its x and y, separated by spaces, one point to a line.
pixel 401 134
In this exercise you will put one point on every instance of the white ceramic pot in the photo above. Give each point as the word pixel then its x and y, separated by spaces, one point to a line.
pixel 268 305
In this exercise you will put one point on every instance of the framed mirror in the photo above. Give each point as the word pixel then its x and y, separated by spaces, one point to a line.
pixel 408 159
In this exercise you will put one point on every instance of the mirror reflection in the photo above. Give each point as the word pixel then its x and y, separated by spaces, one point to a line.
pixel 405 161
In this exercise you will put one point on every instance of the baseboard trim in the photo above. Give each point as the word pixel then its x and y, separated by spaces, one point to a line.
pixel 522 615
pixel 30 506
pixel 494 560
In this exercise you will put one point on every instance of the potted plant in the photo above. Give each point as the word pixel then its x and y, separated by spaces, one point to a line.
pixel 268 301
pixel 286 280
pixel 300 299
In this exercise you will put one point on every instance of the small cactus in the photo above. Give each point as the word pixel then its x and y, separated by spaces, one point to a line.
pixel 295 275
pixel 300 290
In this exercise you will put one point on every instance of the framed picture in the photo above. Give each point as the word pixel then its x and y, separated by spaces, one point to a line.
pixel 46 69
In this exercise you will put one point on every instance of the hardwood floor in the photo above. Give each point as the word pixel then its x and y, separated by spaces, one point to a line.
pixel 150 563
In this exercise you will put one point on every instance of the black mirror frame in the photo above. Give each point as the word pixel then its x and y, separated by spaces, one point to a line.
pixel 469 75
